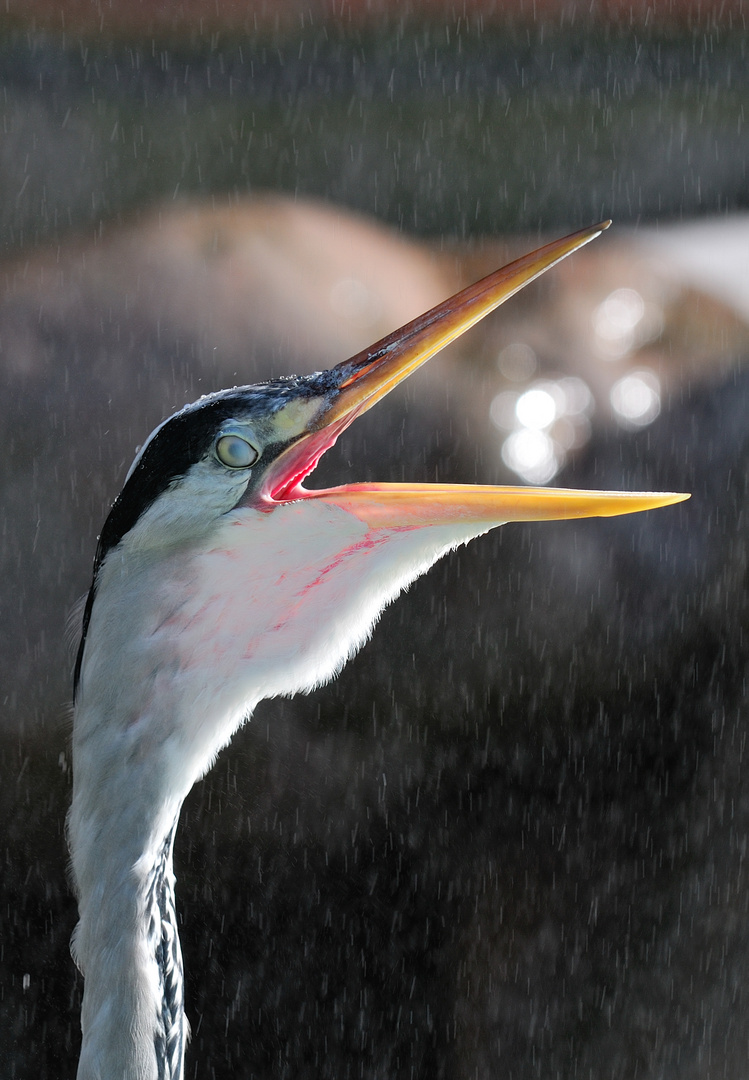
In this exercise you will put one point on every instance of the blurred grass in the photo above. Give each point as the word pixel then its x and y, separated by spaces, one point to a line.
pixel 515 127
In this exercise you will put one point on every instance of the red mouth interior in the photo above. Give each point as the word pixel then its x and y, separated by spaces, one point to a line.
pixel 285 481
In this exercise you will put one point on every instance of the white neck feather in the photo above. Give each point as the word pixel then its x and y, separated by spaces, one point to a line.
pixel 181 646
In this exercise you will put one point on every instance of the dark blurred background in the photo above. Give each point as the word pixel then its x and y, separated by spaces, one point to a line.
pixel 440 120
pixel 509 839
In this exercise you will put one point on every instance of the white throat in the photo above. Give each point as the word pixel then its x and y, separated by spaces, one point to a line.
pixel 270 604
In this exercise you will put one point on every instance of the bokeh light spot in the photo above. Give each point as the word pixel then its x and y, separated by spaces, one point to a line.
pixel 636 398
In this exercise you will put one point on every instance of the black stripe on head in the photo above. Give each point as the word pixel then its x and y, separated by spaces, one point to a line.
pixel 174 447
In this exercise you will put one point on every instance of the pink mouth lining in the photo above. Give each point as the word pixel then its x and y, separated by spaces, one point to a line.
pixel 298 462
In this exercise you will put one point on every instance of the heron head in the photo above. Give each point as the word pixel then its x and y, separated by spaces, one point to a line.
pixel 252 447
pixel 255 445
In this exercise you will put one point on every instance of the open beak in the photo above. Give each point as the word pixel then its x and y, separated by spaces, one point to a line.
pixel 357 384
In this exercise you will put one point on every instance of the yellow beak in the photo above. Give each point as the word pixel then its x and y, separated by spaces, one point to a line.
pixel 357 384
pixel 416 505
pixel 368 376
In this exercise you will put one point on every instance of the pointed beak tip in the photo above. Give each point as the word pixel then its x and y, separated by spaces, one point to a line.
pixel 664 498
pixel 582 504
pixel 366 377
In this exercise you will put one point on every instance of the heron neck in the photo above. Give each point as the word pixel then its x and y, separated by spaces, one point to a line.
pixel 127 946
pixel 170 1032
pixel 137 750
pixel 181 645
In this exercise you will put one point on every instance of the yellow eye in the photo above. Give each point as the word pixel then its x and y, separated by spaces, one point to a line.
pixel 235 452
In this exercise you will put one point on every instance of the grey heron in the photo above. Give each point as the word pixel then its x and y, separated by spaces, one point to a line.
pixel 220 580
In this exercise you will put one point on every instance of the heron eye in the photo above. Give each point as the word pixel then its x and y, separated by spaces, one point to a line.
pixel 235 452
